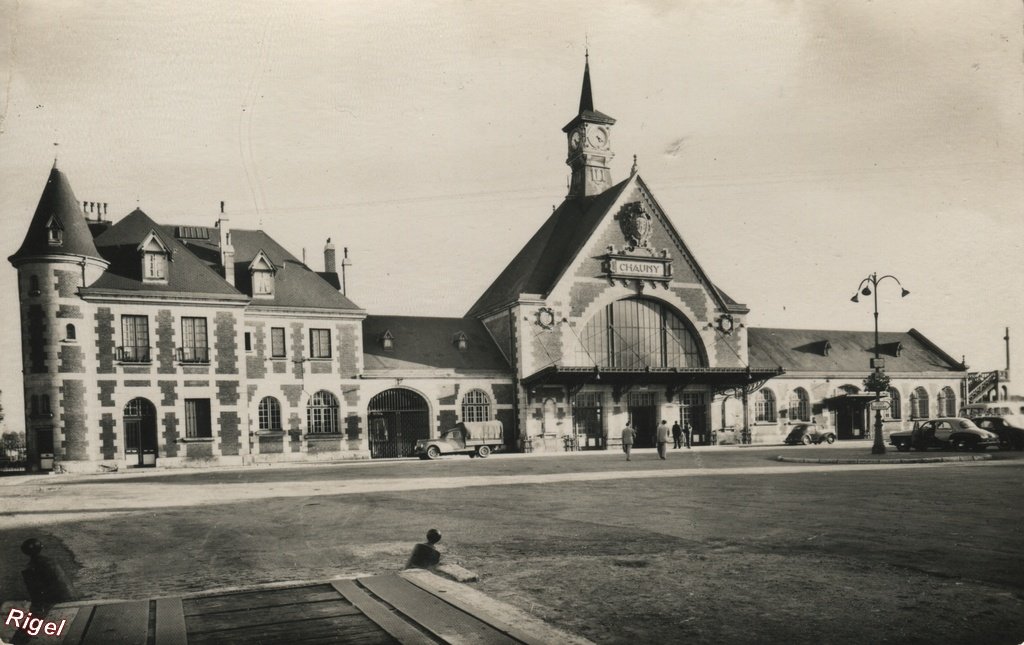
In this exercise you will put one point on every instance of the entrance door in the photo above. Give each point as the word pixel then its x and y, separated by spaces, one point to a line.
pixel 694 409
pixel 587 423
pixel 398 418
pixel 44 448
pixel 850 419
pixel 140 432
pixel 643 416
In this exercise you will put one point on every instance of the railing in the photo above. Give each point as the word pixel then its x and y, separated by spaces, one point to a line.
pixel 980 384
pixel 194 354
pixel 133 354
pixel 13 460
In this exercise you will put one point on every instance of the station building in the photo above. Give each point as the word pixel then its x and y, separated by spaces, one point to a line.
pixel 147 343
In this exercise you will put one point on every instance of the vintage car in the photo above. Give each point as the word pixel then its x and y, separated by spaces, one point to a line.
pixel 1011 435
pixel 950 432
pixel 808 433
pixel 473 438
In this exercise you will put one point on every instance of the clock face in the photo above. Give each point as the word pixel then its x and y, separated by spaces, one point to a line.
pixel 574 140
pixel 598 138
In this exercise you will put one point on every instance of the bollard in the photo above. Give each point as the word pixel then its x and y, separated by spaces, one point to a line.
pixel 424 555
pixel 46 582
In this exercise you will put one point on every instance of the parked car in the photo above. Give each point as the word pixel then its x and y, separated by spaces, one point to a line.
pixel 949 432
pixel 1011 435
pixel 476 439
pixel 808 433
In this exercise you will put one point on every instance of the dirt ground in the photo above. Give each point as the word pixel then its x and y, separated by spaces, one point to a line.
pixel 709 547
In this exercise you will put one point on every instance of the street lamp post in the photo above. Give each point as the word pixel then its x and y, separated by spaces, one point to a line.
pixel 869 286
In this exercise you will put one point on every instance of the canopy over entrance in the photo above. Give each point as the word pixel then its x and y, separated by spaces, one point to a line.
pixel 674 378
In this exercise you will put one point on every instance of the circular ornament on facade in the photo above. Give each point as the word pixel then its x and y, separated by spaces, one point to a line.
pixel 725 324
pixel 546 318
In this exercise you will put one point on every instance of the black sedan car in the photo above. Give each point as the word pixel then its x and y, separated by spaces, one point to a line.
pixel 808 433
pixel 1011 436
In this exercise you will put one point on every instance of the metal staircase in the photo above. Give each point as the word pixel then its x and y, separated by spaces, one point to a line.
pixel 980 384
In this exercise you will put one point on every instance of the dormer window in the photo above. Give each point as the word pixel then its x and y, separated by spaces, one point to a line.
pixel 262 271
pixel 54 231
pixel 461 341
pixel 154 258
pixel 387 341
pixel 826 347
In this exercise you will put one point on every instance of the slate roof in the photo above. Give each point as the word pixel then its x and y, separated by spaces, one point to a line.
pixel 422 342
pixel 802 350
pixel 537 267
pixel 295 284
pixel 186 274
pixel 59 201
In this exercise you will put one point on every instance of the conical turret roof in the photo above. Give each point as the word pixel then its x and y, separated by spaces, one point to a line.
pixel 58 207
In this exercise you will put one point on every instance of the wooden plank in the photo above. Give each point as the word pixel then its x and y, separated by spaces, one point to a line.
pixel 269 615
pixel 287 633
pixel 390 622
pixel 73 635
pixel 511 620
pixel 433 614
pixel 55 614
pixel 256 599
pixel 170 622
pixel 126 623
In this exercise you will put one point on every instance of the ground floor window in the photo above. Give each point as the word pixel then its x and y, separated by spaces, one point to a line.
pixel 764 406
pixel 322 413
pixel 270 414
pixel 197 418
pixel 893 411
pixel 476 406
pixel 919 404
pixel 947 402
pixel 799 405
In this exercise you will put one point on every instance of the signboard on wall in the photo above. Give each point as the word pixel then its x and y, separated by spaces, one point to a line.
pixel 628 267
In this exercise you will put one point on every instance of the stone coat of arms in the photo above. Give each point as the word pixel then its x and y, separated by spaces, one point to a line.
pixel 636 225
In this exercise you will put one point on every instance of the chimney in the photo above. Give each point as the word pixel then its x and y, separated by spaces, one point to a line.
pixel 227 252
pixel 344 263
pixel 330 266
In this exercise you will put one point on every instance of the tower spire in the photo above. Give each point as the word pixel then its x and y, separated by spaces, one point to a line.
pixel 586 95
pixel 589 146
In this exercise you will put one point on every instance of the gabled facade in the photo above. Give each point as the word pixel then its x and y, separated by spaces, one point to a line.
pixel 607 316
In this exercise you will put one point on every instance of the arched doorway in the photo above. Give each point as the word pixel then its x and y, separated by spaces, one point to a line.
pixel 140 432
pixel 397 418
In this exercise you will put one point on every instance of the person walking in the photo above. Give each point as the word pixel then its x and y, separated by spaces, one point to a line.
pixel 677 436
pixel 628 434
pixel 688 433
pixel 664 433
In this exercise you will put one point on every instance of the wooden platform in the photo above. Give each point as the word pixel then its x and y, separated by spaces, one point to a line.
pixel 412 607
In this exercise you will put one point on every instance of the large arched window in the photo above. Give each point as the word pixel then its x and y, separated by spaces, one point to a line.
pixel 270 414
pixel 322 413
pixel 476 406
pixel 919 403
pixel 799 405
pixel 893 411
pixel 947 402
pixel 764 406
pixel 638 333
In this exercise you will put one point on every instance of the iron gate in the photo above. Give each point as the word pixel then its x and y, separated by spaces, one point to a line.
pixel 398 418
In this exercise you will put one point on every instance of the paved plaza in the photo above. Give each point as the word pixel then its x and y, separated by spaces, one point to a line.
pixel 710 545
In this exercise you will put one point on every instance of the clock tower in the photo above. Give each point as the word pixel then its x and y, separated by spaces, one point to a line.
pixel 589 145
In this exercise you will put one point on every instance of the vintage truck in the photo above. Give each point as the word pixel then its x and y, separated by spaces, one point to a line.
pixel 473 438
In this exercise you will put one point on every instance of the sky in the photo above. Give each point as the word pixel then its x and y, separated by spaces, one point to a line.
pixel 796 146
